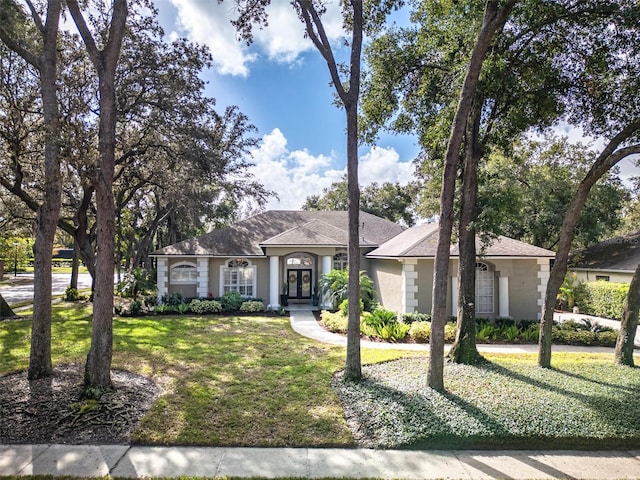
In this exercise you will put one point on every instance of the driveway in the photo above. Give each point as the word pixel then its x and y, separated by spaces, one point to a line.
pixel 22 290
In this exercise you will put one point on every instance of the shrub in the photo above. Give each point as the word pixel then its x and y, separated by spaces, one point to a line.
pixel 204 306
pixel 415 317
pixel 393 331
pixel 382 316
pixel 510 333
pixel 183 308
pixel 573 337
pixel 174 299
pixel 344 307
pixel 252 306
pixel 420 331
pixel 231 301
pixel 486 332
pixel 336 284
pixel 607 338
pixel 450 330
pixel 530 334
pixel 136 308
pixel 136 282
pixel 603 299
pixel 71 294
pixel 334 322
pixel 164 309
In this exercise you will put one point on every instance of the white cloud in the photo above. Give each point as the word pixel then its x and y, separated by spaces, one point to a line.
pixel 208 22
pixel 383 165
pixel 295 175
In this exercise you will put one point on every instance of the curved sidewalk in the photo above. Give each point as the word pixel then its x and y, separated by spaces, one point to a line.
pixel 304 323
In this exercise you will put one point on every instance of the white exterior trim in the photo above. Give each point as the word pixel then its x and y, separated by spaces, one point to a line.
pixel 454 296
pixel 503 296
pixel 274 282
pixel 543 277
pixel 327 266
pixel 162 277
pixel 409 291
pixel 202 289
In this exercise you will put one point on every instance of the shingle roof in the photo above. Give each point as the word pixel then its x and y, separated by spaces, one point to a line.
pixel 284 227
pixel 620 253
pixel 422 241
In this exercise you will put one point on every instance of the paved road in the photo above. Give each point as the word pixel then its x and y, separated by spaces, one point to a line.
pixel 22 291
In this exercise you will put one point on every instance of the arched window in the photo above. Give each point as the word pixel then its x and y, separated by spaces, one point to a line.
pixel 184 273
pixel 238 275
pixel 484 288
pixel 340 261
pixel 299 261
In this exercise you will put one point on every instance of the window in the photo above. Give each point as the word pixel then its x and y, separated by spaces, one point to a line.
pixel 184 273
pixel 484 288
pixel 340 261
pixel 300 260
pixel 603 278
pixel 238 275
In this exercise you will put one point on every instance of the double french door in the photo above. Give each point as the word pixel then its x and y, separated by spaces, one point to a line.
pixel 299 283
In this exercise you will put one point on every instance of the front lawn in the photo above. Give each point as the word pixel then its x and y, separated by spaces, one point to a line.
pixel 227 380
pixel 583 402
pixel 252 381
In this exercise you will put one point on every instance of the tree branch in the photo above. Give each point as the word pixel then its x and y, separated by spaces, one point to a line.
pixel 28 56
pixel 85 33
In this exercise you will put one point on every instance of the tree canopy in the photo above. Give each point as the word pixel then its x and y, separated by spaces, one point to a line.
pixel 388 200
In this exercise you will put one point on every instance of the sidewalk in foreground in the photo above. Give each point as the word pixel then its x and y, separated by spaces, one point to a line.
pixel 136 462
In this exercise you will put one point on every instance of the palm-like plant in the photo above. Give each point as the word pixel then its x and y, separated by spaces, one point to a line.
pixel 336 284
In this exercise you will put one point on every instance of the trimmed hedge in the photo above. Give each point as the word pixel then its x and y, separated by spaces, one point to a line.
pixel 602 299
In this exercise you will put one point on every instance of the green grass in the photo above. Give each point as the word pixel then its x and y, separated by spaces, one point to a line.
pixel 252 381
pixel 583 402
pixel 228 380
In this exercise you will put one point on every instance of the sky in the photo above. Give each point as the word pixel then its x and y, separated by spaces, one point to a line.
pixel 282 84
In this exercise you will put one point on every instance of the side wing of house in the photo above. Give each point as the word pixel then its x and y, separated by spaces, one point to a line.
pixel 511 277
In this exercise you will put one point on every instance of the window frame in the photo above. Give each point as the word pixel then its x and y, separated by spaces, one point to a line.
pixel 241 266
pixel 183 266
pixel 485 273
pixel 342 258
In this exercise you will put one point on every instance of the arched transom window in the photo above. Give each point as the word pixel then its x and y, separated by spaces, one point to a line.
pixel 184 273
pixel 484 288
pixel 340 261
pixel 238 275
pixel 299 261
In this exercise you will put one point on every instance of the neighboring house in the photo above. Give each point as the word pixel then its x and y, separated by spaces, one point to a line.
pixel 286 252
pixel 614 260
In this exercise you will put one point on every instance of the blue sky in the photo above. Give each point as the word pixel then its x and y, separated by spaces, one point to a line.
pixel 282 84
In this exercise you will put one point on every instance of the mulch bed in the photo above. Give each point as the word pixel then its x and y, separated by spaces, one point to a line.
pixel 50 410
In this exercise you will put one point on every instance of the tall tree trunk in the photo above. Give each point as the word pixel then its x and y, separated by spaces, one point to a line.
pixel 98 367
pixel 629 323
pixel 46 62
pixel 349 97
pixel 607 159
pixel 494 19
pixel 75 265
pixel 353 364
pixel 464 348
pixel 47 217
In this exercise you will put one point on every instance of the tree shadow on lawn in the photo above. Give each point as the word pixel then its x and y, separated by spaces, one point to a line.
pixel 382 415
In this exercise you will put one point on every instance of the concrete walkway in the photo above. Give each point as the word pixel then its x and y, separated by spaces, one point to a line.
pixel 304 323
pixel 137 462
